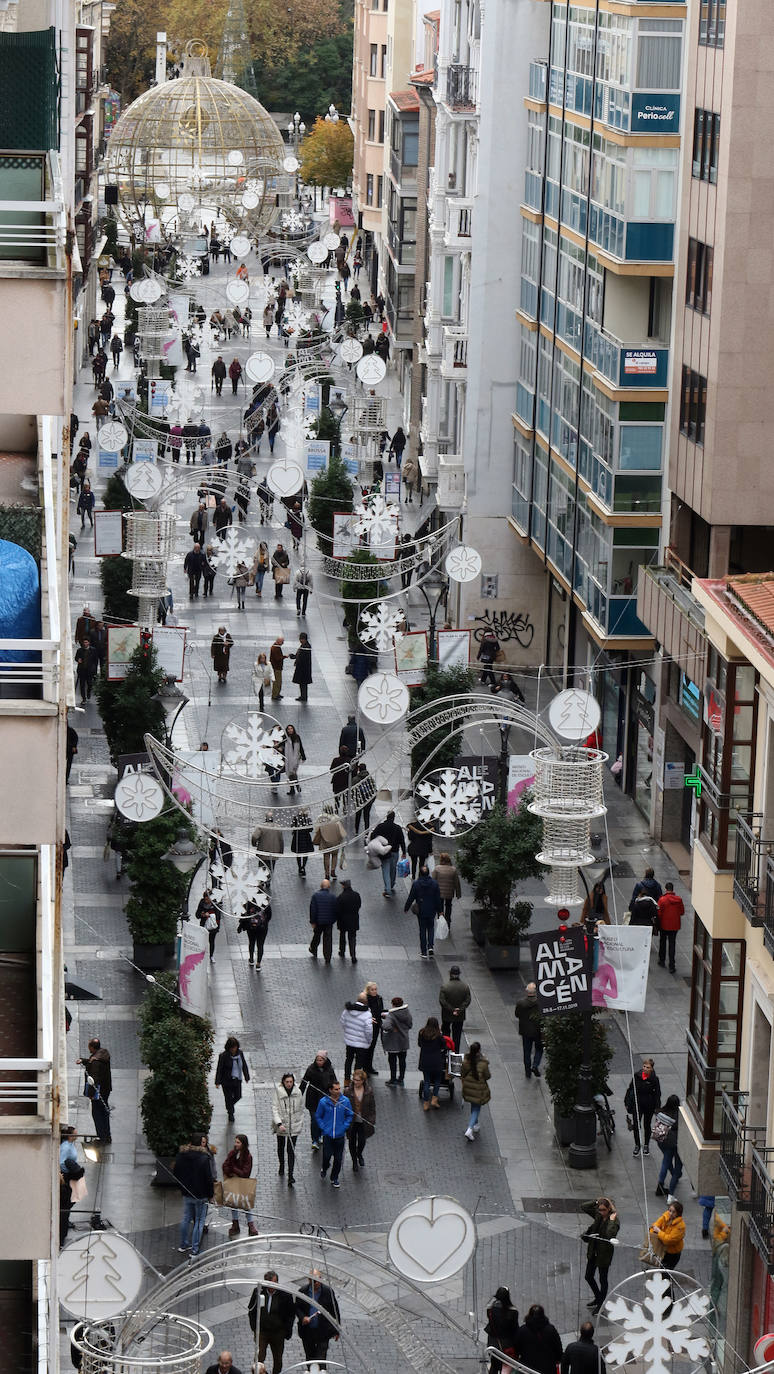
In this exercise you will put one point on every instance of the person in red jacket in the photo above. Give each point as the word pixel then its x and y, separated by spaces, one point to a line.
pixel 670 910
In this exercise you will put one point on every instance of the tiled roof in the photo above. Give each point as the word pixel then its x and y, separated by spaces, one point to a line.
pixel 405 100
pixel 423 78
pixel 750 601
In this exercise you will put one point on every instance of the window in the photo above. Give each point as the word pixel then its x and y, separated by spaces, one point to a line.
pixel 383 69
pixel 698 283
pixel 371 125
pixel 693 405
pixel 381 126
pixel 729 730
pixel 410 154
pixel 706 136
pixel 379 191
pixel 714 1025
pixel 659 54
pixel 373 59
pixel 447 308
pixel 370 189
pixel 712 23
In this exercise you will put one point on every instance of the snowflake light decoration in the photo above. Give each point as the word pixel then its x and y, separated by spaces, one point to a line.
pixel 232 549
pixel 380 624
pixel 226 232
pixel 448 802
pixel 659 1327
pixel 296 315
pixel 139 797
pixel 199 177
pixel 383 698
pixel 377 520
pixel 188 268
pixel 463 564
pixel 253 746
pixel 243 882
pixel 293 222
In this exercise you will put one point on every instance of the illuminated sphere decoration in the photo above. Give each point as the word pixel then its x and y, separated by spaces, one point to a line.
pixel 192 145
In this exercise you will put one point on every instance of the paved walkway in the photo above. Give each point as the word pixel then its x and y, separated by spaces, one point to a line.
pixel 514 1177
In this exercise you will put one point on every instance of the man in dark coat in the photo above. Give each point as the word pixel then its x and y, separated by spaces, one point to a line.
pixel 391 831
pixel 193 1171
pixel 348 919
pixel 302 674
pixel 584 1355
pixel 427 894
pixel 530 1021
pixel 315 1306
pixel 99 1085
pixel 340 777
pixel 218 374
pixel 220 649
pixel 322 918
pixel 222 517
pixel 315 1085
pixel 86 665
pixel 193 567
pixel 352 737
pixel 275 1322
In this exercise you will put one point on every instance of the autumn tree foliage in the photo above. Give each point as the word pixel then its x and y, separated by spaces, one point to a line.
pixel 326 154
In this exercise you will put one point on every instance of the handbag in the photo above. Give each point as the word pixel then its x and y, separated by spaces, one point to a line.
pixel 652 1252
pixel 404 868
pixel 78 1189
pixel 211 923
pixel 235 1192
pixel 441 928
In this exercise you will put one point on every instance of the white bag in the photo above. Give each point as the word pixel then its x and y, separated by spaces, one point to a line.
pixel 441 928
pixel 211 923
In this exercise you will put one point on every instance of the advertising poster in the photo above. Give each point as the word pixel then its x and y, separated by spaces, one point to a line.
pixel 350 458
pixel 411 657
pixel 482 771
pixel 344 541
pixel 107 461
pixel 169 643
pixel 192 973
pixel 108 533
pixel 317 453
pixel 521 775
pixel 562 972
pixel 392 486
pixel 621 958
pixel 159 393
pixel 312 401
pixel 122 642
pixel 453 648
pixel 126 391
pixel 145 450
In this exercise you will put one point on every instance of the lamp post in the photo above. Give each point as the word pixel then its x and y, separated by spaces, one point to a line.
pixel 187 857
pixel 338 408
pixel 296 131
pixel 332 116
pixel 502 765
pixel 442 583
pixel 173 700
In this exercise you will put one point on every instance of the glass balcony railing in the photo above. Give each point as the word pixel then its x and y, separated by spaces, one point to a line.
pixel 32 213
pixel 623 364
pixel 538 77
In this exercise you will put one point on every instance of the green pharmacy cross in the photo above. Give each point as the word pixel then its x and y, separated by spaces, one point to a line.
pixel 694 780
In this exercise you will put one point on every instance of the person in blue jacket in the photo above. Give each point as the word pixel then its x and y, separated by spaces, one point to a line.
pixel 334 1117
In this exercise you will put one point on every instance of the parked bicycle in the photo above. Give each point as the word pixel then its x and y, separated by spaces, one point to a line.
pixel 605 1116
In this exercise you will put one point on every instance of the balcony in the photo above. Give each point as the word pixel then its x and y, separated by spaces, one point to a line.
pixel 762 1206
pixel 737 1141
pixel 461 89
pixel 451 482
pixel 454 358
pixel 666 604
pixel 626 365
pixel 538 74
pixel 459 221
pixel 32 222
pixel 752 850
pixel 768 907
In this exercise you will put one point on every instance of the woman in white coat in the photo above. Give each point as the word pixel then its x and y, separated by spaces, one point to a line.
pixel 287 1118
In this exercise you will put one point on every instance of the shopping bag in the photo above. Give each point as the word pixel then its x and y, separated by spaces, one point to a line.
pixel 441 928
pixel 404 868
pixel 652 1252
pixel 235 1192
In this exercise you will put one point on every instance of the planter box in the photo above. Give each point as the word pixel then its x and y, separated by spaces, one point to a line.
pixel 564 1127
pixel 501 956
pixel 163 1177
pixel 478 923
pixel 152 956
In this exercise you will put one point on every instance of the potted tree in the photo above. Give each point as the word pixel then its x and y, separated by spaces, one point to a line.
pixel 158 888
pixel 499 852
pixel 502 935
pixel 177 1048
pixel 131 708
pixel 563 1040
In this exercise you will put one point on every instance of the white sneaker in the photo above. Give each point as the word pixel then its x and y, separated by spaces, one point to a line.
pixel 469 1134
pixel 476 1128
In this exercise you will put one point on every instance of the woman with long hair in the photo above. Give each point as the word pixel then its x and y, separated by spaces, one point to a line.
pixel 293 749
pixel 361 1096
pixel 239 1164
pixel 448 880
pixel 475 1086
pixel 260 567
pixel 287 1118
pixel 432 1061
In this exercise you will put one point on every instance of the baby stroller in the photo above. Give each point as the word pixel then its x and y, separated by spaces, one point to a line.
pixel 453 1069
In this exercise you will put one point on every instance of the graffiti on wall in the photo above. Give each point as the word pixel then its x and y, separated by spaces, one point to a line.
pixel 507 625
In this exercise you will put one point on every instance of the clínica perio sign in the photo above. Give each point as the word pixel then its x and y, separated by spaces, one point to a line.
pixel 562 971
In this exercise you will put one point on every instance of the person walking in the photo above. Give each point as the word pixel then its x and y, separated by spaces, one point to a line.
pixel 340 778
pixel 390 831
pixel 271 1314
pixel 361 1097
pixel 268 839
pixel 357 1025
pixel 116 348
pixel 604 1227
pixel 220 649
pixel 409 476
pixel 277 661
pixel 222 518
pixel 644 901
pixel 268 318
pixel 538 1343
pixel 454 998
pixel 420 844
pixel 235 373
pixel 669 1228
pixel 352 737
pixel 584 1355
pixel 322 918
pixel 218 374
pixel 396 1024
pixel 193 565
pixel 334 1118
pixel 363 794
pixel 224 450
pixel 99 1085
pixel 348 919
pixel 641 1100
pixel 209 568
pixel 488 650
pixel 301 843
pixel 280 570
pixel 255 925
pixel 231 1073
pixel 595 906
pixel 295 524
pixel 425 892
pixel 376 1007
pixel 318 1078
pixel 397 445
pixel 670 911
pixel 303 584
pixel 502 1325
pixel 665 1135
pixel 193 1171
pixel 197 525
pixel 239 1164
pixel 432 1061
pixel 329 833
pixel 527 1013
pixel 475 1086
pixel 241 580
pixel 261 564
pixel 316 1305
pixel 86 664
pixel 448 880
pixel 85 505
pixel 302 673
pixel 293 750
pixel 272 425
pixel 287 1118
pixel 71 749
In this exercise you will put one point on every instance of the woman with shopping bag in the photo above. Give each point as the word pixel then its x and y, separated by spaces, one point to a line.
pixel 238 1165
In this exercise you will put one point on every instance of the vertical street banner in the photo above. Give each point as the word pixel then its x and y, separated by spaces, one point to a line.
pixel 192 973
pixel 621 959
pixel 562 971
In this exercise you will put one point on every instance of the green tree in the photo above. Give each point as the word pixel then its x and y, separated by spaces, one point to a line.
pixel 498 853
pixel 116 497
pixel 439 682
pixel 128 709
pixel 326 154
pixel 312 80
pixel 115 574
pixel 563 1039
pixel 364 591
pixel 331 492
pixel 158 889
pixel 177 1048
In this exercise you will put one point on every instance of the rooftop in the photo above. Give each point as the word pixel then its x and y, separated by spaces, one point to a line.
pixel 749 601
pixel 423 78
pixel 405 100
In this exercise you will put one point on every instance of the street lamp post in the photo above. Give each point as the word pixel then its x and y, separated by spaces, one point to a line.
pixel 502 765
pixel 443 592
pixel 338 408
pixel 332 116
pixel 296 131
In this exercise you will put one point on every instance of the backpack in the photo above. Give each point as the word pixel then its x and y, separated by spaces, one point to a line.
pixel 661 1126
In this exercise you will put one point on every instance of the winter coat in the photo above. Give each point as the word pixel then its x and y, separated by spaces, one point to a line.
pixel 432 1052
pixel 322 908
pixel 276 657
pixel 646 1092
pixel 530 1021
pixel 396 1024
pixel 287 1109
pixel 366 1112
pixel 410 470
pixel 279 559
pixel 454 996
pixel 603 1231
pixel 199 521
pixel 340 770
pixel 302 673
pixel 222 517
pixel 420 840
pixel 348 910
pixel 219 369
pixel 644 911
pixel 322 1299
pixel 242 575
pixel 427 894
pixel 672 1232
pixel 670 910
pixel 316 1083
pixel 538 1345
pixel 475 1089
pixel 256 922
pixel 220 649
pixel 301 839
pixel 391 832
pixel 334 1118
pixel 448 880
pixel 376 1007
pixel 591 912
pixel 192 1171
pixel 352 738
pixel 357 1024
pixel 502 1325
pixel 238 1166
pixel 583 1357
pixel 274 1315
pixel 235 370
pixel 303 580
pixel 329 832
pixel 223 1071
pixel 649 887
pixel 293 750
pixel 97 1067
pixel 268 840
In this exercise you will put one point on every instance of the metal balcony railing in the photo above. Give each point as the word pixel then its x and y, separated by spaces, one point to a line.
pixel 737 1141
pixel 461 87
pixel 748 867
pixel 25 1087
pixel 768 906
pixel 762 1206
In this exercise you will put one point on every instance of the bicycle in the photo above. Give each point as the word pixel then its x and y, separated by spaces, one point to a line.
pixel 605 1117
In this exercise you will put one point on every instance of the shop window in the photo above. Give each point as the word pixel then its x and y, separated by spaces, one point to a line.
pixel 714 1025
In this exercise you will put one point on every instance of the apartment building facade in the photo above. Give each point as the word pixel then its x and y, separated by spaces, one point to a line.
pixel 37 237
pixel 368 124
